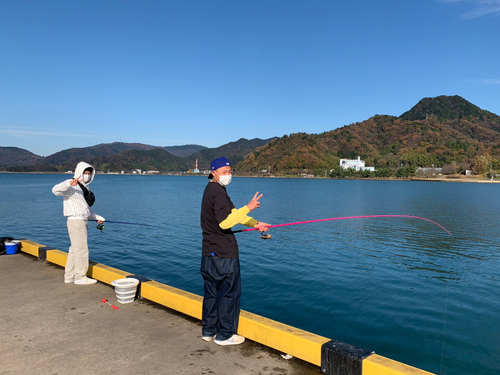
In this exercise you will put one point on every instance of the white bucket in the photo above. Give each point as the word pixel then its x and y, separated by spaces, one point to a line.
pixel 125 289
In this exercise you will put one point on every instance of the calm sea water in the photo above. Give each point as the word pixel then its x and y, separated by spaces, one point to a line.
pixel 401 287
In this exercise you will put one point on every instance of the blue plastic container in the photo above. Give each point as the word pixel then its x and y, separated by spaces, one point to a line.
pixel 11 248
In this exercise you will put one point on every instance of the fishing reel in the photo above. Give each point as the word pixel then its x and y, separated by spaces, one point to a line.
pixel 100 227
pixel 265 236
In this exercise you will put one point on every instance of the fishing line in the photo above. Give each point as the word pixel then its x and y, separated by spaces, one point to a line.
pixel 444 325
pixel 123 222
pixel 101 226
pixel 345 218
pixel 447 280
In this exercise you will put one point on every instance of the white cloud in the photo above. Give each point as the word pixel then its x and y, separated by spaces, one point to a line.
pixel 480 8
pixel 20 131
pixel 491 81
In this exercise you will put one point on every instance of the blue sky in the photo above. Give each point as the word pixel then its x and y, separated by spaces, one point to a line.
pixel 208 72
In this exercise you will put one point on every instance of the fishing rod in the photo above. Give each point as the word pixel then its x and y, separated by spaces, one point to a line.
pixel 101 226
pixel 266 237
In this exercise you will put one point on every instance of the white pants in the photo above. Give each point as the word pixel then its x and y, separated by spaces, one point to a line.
pixel 77 264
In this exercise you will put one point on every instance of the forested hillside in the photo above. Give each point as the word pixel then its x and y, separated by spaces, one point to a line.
pixel 185 150
pixel 75 155
pixel 11 156
pixel 157 159
pixel 436 132
pixel 234 151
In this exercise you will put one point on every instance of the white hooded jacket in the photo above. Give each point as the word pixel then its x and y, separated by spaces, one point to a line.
pixel 74 204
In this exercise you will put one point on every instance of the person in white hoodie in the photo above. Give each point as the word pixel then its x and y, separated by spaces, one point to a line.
pixel 76 206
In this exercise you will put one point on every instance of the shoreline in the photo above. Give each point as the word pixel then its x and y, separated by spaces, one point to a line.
pixel 309 177
pixel 477 180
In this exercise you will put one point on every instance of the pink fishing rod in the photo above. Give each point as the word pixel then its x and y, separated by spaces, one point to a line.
pixel 345 218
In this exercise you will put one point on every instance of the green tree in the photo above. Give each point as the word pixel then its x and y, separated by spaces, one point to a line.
pixel 320 172
pixel 350 172
pixel 406 171
pixel 481 164
pixel 367 173
pixel 383 172
pixel 337 172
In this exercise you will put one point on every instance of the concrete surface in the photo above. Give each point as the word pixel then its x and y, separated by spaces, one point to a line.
pixel 48 327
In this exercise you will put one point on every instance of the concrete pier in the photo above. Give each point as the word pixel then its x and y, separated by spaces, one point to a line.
pixel 48 327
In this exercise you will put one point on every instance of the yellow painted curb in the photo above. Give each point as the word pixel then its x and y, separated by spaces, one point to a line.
pixel 30 247
pixel 57 257
pixel 173 298
pixel 106 274
pixel 378 365
pixel 282 337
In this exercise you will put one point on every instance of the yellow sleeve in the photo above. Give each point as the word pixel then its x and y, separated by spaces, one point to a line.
pixel 238 217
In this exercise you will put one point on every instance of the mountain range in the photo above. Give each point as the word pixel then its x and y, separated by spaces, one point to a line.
pixel 120 156
pixel 435 132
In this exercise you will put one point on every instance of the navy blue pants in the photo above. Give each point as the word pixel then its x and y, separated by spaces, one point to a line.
pixel 221 303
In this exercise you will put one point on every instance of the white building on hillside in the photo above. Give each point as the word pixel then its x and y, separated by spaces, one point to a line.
pixel 358 165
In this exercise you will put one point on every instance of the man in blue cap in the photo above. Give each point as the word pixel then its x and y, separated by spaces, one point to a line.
pixel 220 264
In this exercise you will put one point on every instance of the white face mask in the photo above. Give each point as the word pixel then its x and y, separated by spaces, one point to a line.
pixel 225 180
pixel 87 177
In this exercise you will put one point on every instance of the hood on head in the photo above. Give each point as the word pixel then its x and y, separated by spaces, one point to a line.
pixel 80 168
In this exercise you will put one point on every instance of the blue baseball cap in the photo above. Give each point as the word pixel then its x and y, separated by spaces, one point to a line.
pixel 219 163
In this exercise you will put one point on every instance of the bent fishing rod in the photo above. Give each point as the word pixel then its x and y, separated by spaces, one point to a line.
pixel 101 226
pixel 341 218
